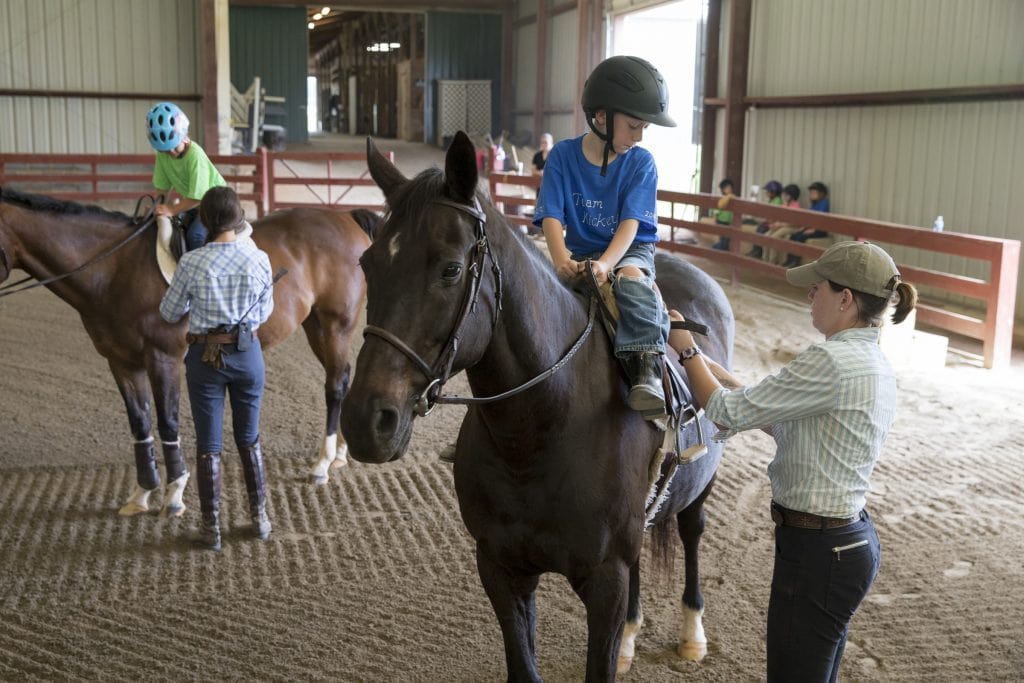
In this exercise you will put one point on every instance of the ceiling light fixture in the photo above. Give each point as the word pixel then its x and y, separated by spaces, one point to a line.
pixel 310 26
pixel 325 11
pixel 317 16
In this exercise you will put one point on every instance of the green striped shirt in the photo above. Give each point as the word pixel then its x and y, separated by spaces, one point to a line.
pixel 829 409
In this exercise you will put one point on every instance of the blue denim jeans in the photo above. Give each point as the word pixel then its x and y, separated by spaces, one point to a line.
pixel 820 579
pixel 242 378
pixel 196 233
pixel 643 319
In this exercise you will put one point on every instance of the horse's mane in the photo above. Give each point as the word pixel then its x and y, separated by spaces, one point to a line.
pixel 38 202
pixel 412 197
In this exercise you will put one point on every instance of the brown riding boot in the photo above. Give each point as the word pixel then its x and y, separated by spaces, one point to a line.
pixel 208 481
pixel 256 487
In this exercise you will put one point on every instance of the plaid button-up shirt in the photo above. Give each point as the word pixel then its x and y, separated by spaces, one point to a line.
pixel 217 283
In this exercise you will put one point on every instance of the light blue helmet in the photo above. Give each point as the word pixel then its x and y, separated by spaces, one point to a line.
pixel 166 125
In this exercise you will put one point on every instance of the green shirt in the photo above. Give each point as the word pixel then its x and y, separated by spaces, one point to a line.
pixel 190 175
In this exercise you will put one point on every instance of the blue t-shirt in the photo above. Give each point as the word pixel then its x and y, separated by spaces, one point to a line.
pixel 821 205
pixel 591 206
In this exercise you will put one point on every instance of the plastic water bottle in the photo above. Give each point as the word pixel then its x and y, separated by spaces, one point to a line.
pixel 938 225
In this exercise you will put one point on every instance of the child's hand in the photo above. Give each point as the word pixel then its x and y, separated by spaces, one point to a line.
pixel 568 268
pixel 600 269
pixel 163 210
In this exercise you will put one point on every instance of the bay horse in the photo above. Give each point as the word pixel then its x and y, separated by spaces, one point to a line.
pixel 551 466
pixel 118 297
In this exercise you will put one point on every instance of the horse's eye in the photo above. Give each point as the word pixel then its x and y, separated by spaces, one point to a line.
pixel 452 271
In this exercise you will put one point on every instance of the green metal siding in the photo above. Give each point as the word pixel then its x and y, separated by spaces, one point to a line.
pixel 462 46
pixel 273 43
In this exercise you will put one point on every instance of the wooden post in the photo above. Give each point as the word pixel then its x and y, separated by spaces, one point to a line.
pixel 709 115
pixel 542 64
pixel 998 340
pixel 736 91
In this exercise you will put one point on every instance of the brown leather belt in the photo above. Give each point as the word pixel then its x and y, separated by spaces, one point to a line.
pixel 212 338
pixel 805 520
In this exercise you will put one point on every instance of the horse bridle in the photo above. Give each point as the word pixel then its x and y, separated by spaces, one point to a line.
pixel 439 374
pixel 146 221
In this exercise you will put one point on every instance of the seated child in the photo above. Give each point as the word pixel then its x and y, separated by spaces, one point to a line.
pixel 781 230
pixel 817 192
pixel 722 216
pixel 772 190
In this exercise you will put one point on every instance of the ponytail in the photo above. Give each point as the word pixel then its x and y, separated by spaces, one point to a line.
pixel 906 300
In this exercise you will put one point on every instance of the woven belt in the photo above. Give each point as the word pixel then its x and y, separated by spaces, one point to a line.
pixel 212 338
pixel 805 520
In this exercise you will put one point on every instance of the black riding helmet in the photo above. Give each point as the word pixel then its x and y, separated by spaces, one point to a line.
pixel 630 85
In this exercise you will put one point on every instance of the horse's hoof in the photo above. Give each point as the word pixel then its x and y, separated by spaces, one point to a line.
pixel 319 479
pixel 693 652
pixel 625 664
pixel 169 511
pixel 132 508
pixel 339 462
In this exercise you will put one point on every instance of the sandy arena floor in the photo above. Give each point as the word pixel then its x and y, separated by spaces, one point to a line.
pixel 372 577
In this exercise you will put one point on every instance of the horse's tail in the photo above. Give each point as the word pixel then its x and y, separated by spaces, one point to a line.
pixel 367 220
pixel 663 556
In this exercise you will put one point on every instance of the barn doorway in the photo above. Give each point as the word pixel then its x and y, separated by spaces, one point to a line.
pixel 669 36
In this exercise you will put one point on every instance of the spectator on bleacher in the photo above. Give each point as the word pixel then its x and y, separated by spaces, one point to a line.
pixel 181 169
pixel 781 230
pixel 773 191
pixel 541 157
pixel 721 214
pixel 818 194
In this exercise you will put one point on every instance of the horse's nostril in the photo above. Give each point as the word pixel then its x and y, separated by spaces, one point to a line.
pixel 386 422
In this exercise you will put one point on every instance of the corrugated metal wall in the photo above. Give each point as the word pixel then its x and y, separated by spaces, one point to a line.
pixel 462 46
pixel 559 73
pixel 273 43
pixel 907 163
pixel 92 45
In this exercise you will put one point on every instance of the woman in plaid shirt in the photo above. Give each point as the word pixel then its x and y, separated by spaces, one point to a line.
pixel 829 410
pixel 226 288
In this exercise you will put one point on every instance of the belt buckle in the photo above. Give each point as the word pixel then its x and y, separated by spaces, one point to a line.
pixel 777 516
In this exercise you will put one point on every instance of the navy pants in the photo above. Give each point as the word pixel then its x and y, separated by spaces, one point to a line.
pixel 820 579
pixel 241 378
pixel 196 234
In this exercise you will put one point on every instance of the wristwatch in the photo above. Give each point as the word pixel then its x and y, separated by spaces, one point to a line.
pixel 687 354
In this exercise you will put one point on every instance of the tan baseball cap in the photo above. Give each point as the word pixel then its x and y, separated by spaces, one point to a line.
pixel 861 266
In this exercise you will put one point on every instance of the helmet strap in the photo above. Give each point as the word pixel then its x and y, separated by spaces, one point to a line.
pixel 607 137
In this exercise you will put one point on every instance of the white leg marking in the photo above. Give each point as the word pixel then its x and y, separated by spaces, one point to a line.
pixel 627 648
pixel 692 643
pixel 137 503
pixel 329 455
pixel 340 456
pixel 174 506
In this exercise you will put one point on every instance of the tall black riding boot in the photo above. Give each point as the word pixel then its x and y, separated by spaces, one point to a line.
pixel 208 481
pixel 647 392
pixel 256 487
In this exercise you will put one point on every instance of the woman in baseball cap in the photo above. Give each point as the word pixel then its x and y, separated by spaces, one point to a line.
pixel 829 410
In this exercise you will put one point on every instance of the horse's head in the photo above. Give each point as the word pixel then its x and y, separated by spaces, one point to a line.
pixel 433 292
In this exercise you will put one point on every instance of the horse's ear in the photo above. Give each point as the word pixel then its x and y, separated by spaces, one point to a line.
pixel 384 173
pixel 460 174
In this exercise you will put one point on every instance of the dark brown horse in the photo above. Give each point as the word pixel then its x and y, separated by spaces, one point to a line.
pixel 118 298
pixel 552 476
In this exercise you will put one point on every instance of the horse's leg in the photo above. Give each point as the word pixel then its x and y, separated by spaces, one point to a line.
pixel 329 339
pixel 634 621
pixel 693 645
pixel 165 378
pixel 135 392
pixel 604 592
pixel 512 597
